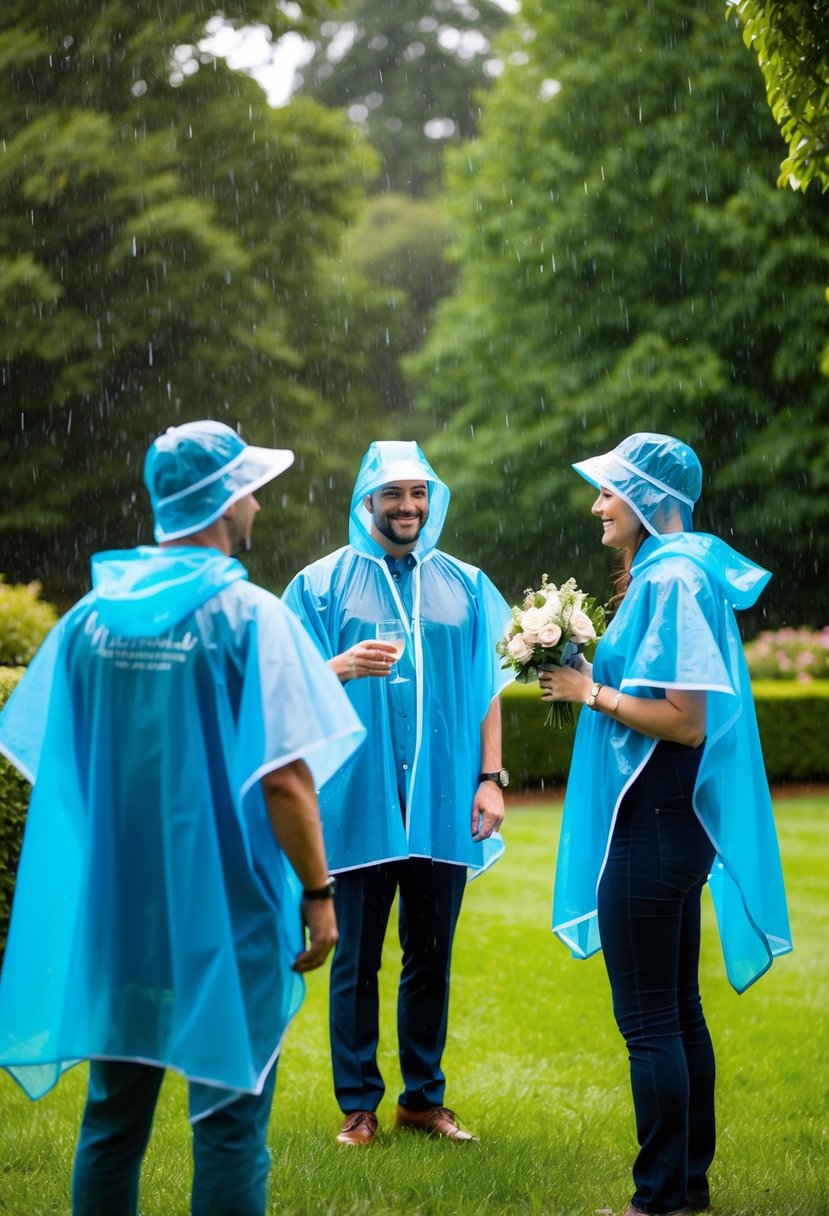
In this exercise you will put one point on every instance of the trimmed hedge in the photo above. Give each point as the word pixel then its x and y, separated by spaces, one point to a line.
pixel 793 720
pixel 14 802
pixel 25 619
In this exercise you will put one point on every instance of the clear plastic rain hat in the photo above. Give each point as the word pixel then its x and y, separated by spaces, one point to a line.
pixel 196 471
pixel 658 476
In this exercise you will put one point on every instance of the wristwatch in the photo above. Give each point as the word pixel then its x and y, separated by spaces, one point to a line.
pixel 326 892
pixel 501 778
pixel 594 692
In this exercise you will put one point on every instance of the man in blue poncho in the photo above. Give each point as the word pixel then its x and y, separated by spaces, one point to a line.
pixel 173 726
pixel 421 805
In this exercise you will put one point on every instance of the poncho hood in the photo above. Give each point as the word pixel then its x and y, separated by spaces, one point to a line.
pixel 396 460
pixel 740 579
pixel 145 591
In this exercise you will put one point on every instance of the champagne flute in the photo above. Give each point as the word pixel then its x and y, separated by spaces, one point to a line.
pixel 394 634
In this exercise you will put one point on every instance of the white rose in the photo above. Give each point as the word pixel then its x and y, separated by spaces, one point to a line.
pixel 533 620
pixel 581 628
pixel 519 649
pixel 549 634
pixel 553 607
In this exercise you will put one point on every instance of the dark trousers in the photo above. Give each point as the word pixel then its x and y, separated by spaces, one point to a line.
pixel 430 902
pixel 230 1159
pixel 649 920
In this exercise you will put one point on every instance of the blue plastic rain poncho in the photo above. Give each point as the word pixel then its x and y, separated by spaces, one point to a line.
pixel 155 918
pixel 453 674
pixel 675 628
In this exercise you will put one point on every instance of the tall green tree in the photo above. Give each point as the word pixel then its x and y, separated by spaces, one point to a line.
pixel 169 249
pixel 790 39
pixel 408 72
pixel 627 264
pixel 398 247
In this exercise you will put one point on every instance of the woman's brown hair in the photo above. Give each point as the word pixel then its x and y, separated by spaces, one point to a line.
pixel 621 572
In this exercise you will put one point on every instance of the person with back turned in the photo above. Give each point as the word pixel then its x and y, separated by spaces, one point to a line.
pixel 173 725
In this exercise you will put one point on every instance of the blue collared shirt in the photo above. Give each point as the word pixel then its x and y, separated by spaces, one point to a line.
pixel 402 717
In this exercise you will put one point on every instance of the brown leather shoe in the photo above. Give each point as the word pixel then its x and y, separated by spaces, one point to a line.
pixel 360 1127
pixel 437 1121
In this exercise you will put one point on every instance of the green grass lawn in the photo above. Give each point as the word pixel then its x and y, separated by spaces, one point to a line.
pixel 535 1066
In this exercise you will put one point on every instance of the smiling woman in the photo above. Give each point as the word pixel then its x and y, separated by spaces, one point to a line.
pixel 667 787
pixel 621 527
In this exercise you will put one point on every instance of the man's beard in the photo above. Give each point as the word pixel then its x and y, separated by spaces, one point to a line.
pixel 387 529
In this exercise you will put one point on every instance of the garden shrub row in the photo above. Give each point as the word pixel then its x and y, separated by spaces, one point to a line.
pixel 793 719
pixel 25 619
pixel 14 800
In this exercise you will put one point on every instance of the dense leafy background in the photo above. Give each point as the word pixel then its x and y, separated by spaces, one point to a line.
pixel 169 249
pixel 789 39
pixel 626 263
pixel 607 252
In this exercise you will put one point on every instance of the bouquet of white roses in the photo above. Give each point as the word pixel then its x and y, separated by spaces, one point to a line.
pixel 550 628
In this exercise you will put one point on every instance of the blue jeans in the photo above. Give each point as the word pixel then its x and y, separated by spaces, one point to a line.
pixel 230 1159
pixel 431 893
pixel 649 920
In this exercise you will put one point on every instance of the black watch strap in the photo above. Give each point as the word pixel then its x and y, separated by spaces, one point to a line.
pixel 326 892
pixel 501 778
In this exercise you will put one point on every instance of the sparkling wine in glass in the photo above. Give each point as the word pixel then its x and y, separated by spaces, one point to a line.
pixel 394 634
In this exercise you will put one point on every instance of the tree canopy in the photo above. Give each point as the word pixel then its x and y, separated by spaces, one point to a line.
pixel 626 264
pixel 169 249
pixel 407 72
pixel 791 41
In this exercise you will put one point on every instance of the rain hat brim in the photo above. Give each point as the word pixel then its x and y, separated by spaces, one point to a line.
pixel 608 471
pixel 253 468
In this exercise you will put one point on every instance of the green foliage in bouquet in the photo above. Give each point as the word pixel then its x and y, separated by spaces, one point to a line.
pixel 25 620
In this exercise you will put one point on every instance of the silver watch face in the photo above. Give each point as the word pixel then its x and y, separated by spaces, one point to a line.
pixel 503 778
